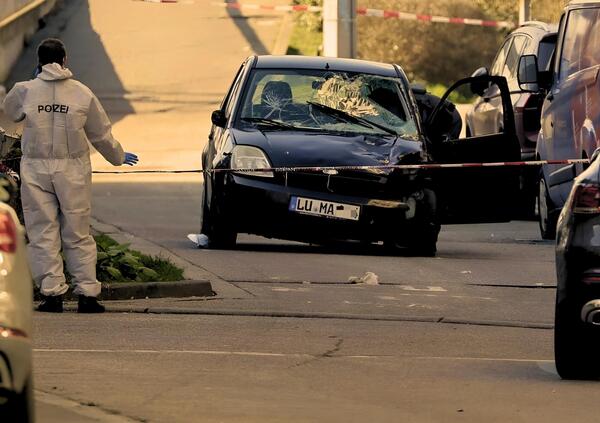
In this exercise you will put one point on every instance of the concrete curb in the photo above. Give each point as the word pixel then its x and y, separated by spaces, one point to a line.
pixel 146 290
pixel 142 290
pixel 321 315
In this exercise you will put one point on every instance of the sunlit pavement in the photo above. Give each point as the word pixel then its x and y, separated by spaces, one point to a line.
pixel 465 336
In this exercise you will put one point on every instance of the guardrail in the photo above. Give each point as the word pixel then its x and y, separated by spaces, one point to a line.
pixel 21 12
pixel 15 30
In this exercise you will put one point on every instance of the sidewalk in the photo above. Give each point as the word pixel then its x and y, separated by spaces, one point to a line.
pixel 51 408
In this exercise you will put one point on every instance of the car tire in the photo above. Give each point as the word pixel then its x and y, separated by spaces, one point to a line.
pixel 20 407
pixel 546 219
pixel 422 236
pixel 575 345
pixel 221 236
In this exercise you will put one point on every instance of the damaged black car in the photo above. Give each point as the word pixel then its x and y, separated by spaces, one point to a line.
pixel 300 112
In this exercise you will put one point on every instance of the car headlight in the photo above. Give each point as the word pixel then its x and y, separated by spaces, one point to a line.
pixel 246 157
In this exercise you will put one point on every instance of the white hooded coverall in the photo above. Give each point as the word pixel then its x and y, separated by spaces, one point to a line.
pixel 60 116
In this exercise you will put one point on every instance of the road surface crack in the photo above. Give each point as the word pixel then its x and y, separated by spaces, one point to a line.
pixel 330 353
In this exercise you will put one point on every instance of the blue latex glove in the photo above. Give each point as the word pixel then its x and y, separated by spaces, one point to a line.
pixel 131 159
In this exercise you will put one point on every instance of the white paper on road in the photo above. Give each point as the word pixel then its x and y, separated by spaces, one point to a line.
pixel 368 278
pixel 200 240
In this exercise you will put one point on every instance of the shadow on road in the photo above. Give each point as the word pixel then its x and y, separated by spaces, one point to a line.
pixel 247 30
pixel 349 248
pixel 87 57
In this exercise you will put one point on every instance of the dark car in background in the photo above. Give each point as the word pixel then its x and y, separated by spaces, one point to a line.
pixel 292 111
pixel 571 108
pixel 577 318
pixel 485 117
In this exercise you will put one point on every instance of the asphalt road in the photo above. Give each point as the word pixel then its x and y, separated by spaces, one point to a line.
pixel 462 337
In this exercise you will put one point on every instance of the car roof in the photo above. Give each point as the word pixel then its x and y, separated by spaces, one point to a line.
pixel 576 2
pixel 330 63
pixel 546 27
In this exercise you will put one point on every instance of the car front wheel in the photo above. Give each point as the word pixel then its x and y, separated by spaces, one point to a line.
pixel 221 234
pixel 546 219
pixel 20 407
pixel 421 235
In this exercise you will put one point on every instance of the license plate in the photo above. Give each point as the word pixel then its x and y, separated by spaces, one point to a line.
pixel 324 208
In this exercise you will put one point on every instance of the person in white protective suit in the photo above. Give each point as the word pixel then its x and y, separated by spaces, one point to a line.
pixel 60 116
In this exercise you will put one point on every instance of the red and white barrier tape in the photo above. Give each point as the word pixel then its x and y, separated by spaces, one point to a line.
pixel 395 14
pixel 368 167
pixel 376 13
pixel 270 7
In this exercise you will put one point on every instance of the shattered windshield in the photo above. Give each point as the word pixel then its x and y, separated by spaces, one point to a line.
pixel 278 99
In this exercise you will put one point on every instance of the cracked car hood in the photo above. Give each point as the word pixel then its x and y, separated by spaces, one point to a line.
pixel 295 148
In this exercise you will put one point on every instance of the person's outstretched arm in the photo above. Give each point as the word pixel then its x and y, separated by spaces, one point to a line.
pixel 98 130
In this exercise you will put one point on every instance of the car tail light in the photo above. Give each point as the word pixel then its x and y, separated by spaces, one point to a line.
pixel 591 277
pixel 11 333
pixel 8 233
pixel 586 199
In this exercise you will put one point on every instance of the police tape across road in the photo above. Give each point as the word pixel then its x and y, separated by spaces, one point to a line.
pixel 376 13
pixel 331 169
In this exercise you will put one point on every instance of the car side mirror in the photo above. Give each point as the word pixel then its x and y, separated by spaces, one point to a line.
pixel 418 89
pixel 528 73
pixel 480 86
pixel 218 118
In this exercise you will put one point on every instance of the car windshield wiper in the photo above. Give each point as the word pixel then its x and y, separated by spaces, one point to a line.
pixel 351 118
pixel 269 122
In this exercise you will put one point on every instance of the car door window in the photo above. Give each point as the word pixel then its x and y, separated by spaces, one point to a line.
pixel 233 94
pixel 581 42
pixel 512 61
pixel 545 52
pixel 500 59
pixel 227 103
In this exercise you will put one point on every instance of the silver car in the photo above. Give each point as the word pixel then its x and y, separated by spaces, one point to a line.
pixel 16 307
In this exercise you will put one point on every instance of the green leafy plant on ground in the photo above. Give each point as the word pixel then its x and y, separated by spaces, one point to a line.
pixel 117 263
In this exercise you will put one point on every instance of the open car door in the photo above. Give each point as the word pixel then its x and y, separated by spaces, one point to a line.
pixel 475 194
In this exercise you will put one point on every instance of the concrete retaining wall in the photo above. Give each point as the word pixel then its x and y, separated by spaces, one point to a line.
pixel 19 20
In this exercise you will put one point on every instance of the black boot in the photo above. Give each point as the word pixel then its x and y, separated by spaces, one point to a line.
pixel 51 304
pixel 89 305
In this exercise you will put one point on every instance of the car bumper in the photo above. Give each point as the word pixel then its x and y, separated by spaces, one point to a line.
pixel 260 206
pixel 578 259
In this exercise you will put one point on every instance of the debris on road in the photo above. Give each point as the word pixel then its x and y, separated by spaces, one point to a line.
pixel 368 278
pixel 200 240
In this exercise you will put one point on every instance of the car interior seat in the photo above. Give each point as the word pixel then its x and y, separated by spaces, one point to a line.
pixel 275 97
pixel 389 101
